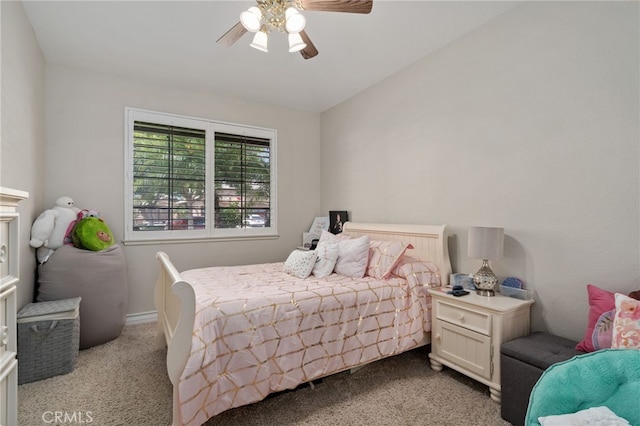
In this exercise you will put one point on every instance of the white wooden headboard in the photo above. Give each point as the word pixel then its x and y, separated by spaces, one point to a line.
pixel 429 241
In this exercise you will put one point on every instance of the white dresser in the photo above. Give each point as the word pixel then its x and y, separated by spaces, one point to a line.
pixel 9 267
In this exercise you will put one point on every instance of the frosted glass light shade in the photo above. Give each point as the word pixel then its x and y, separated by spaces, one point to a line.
pixel 295 21
pixel 251 19
pixel 486 243
pixel 260 41
pixel 295 43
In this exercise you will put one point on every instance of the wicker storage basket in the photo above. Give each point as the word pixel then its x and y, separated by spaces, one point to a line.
pixel 48 339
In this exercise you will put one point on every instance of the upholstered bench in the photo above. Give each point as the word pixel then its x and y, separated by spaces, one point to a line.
pixel 523 361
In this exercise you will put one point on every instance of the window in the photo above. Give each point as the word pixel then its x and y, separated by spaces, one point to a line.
pixel 192 178
pixel 242 181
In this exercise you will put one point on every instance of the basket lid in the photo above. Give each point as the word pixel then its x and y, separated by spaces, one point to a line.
pixel 65 308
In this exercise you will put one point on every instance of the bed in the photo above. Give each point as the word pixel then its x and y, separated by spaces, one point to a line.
pixel 236 334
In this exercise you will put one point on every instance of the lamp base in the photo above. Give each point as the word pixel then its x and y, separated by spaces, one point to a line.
pixel 485 280
pixel 485 292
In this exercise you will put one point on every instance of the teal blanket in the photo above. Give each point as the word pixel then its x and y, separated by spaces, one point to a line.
pixel 609 377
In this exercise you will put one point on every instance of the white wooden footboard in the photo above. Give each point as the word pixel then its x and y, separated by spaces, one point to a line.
pixel 176 305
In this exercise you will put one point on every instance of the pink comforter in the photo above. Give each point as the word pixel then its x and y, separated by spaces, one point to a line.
pixel 258 330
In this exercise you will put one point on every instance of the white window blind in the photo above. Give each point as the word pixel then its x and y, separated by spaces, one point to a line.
pixel 193 178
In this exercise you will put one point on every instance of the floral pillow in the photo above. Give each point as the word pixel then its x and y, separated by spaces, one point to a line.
pixel 300 263
pixel 626 323
pixel 602 331
pixel 383 256
pixel 417 272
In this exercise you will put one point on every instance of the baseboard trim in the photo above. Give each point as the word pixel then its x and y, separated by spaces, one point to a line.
pixel 142 318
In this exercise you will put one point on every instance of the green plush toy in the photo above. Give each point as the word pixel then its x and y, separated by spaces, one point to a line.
pixel 91 233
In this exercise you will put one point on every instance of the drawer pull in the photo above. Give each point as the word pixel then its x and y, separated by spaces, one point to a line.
pixel 4 335
pixel 3 253
pixel 437 336
pixel 461 317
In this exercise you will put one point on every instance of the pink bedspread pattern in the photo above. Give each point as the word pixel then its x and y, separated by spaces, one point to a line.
pixel 258 330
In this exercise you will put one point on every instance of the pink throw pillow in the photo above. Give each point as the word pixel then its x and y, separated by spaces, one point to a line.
pixel 600 301
pixel 383 257
pixel 417 272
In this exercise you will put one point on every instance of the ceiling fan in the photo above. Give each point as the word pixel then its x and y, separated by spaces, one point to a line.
pixel 285 16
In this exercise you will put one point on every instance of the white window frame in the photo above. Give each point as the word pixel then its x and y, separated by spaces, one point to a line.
pixel 210 127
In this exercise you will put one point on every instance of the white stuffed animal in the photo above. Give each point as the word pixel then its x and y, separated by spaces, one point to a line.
pixel 49 230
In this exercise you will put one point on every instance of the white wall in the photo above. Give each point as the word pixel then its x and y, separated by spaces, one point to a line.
pixel 22 147
pixel 529 123
pixel 85 160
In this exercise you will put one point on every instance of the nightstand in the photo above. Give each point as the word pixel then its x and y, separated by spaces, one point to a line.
pixel 467 331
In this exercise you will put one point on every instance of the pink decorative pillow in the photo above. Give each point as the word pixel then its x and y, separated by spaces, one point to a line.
pixel 417 272
pixel 353 256
pixel 626 323
pixel 383 256
pixel 600 301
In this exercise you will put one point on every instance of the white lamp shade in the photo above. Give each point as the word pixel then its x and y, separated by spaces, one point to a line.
pixel 260 41
pixel 251 19
pixel 295 21
pixel 295 43
pixel 486 243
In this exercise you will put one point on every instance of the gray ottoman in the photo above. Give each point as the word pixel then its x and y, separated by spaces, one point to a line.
pixel 523 361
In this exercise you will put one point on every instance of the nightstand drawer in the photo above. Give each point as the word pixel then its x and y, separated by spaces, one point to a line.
pixel 464 317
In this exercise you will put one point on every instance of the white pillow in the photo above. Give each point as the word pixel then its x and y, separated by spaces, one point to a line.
pixel 329 238
pixel 353 257
pixel 300 263
pixel 327 257
pixel 595 416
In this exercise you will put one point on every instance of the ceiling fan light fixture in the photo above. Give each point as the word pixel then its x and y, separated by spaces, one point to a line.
pixel 260 41
pixel 251 19
pixel 286 17
pixel 295 21
pixel 296 43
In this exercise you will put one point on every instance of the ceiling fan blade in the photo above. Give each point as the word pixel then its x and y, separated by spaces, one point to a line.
pixel 351 6
pixel 310 51
pixel 232 35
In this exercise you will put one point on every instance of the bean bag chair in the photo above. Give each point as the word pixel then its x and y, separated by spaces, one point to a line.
pixel 100 278
pixel 606 378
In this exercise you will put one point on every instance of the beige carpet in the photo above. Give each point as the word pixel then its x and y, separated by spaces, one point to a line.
pixel 124 382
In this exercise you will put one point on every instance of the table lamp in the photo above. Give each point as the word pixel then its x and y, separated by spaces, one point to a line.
pixel 486 244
